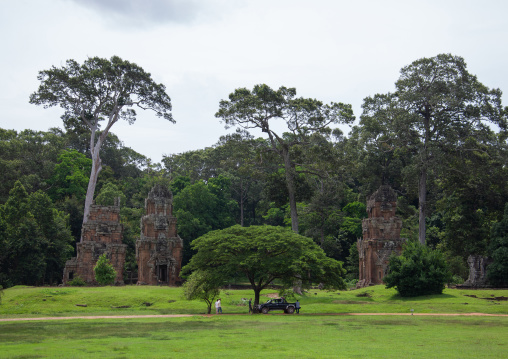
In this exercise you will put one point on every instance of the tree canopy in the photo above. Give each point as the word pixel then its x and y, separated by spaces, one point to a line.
pixel 244 180
pixel 264 254
pixel 100 90
pixel 436 107
pixel 304 117
pixel 497 272
pixel 35 240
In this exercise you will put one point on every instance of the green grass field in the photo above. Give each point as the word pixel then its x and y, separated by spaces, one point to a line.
pixel 69 301
pixel 259 336
pixel 311 334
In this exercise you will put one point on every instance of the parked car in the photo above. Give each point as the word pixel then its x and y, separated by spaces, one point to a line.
pixel 277 304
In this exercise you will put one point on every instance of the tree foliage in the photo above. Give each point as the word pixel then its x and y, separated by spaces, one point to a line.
pixel 436 107
pixel 497 272
pixel 29 157
pixel 100 90
pixel 264 254
pixel 304 117
pixel 244 180
pixel 34 239
pixel 202 285
pixel 105 274
pixel 70 176
pixel 203 207
pixel 108 195
pixel 419 270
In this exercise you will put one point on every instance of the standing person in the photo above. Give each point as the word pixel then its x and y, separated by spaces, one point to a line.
pixel 250 306
pixel 219 308
pixel 297 306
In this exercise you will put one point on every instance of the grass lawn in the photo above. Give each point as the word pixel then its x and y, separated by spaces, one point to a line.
pixel 308 335
pixel 137 300
pixel 259 336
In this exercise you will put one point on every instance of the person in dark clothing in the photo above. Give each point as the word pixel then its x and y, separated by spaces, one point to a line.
pixel 250 305
pixel 297 306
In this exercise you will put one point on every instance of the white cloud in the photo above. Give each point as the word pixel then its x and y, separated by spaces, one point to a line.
pixel 202 50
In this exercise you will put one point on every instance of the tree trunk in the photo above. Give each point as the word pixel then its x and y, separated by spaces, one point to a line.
pixel 322 230
pixel 94 174
pixel 422 199
pixel 241 203
pixel 257 293
pixel 290 183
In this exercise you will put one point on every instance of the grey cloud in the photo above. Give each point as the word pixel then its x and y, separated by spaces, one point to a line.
pixel 143 13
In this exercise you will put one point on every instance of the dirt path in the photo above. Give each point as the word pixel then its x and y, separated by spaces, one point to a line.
pixel 209 315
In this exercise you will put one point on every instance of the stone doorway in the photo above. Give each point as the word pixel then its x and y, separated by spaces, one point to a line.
pixel 162 273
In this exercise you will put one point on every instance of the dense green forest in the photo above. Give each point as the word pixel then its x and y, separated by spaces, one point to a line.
pixel 439 140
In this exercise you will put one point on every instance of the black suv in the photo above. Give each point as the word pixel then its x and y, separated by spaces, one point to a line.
pixel 277 304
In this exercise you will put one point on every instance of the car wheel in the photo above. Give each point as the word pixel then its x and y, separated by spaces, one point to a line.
pixel 290 310
pixel 265 310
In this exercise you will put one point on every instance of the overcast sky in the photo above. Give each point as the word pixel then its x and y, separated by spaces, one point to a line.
pixel 202 50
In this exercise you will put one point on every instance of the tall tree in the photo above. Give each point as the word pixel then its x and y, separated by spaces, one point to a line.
pixel 100 90
pixel 473 193
pixel 35 240
pixel 264 254
pixel 28 156
pixel 437 105
pixel 262 106
pixel 237 157
pixel 497 272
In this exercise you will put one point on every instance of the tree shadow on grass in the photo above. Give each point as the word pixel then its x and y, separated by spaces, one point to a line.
pixel 398 297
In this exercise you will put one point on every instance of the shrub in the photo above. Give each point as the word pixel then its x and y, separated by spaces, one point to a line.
pixel 351 283
pixel 105 274
pixel 202 285
pixel 76 282
pixel 456 279
pixel 419 270
pixel 497 272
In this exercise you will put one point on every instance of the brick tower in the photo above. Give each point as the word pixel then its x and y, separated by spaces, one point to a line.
pixel 159 249
pixel 381 236
pixel 102 233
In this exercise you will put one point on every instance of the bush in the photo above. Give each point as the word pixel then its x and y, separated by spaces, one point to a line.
pixel 76 282
pixel 497 271
pixel 105 274
pixel 419 270
pixel 456 279
pixel 351 283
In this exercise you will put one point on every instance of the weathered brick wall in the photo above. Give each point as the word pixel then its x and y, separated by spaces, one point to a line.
pixel 381 237
pixel 101 234
pixel 159 249
pixel 381 228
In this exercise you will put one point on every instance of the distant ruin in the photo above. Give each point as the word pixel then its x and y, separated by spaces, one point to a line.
pixel 159 249
pixel 381 237
pixel 477 272
pixel 102 233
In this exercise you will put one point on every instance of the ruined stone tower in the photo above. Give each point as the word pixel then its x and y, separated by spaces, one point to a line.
pixel 159 249
pixel 102 233
pixel 381 236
